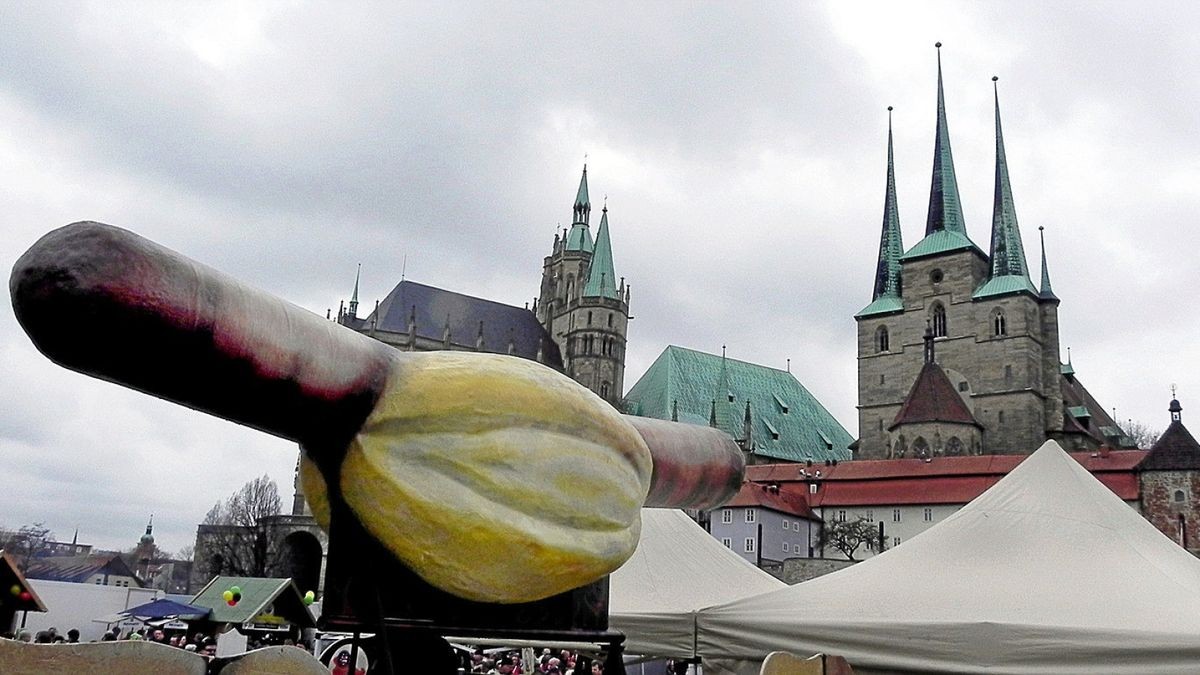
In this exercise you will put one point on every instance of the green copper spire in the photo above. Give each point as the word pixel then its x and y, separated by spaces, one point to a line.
pixel 945 228
pixel 1009 273
pixel 886 296
pixel 722 413
pixel 945 211
pixel 600 282
pixel 580 237
pixel 354 296
pixel 1046 293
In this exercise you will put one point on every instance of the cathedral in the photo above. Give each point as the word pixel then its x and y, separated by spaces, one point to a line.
pixel 958 350
pixel 577 324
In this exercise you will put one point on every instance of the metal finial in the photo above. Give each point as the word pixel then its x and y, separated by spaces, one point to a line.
pixel 722 351
pixel 1172 390
pixel 994 78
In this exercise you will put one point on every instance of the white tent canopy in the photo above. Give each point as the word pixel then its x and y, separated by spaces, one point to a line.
pixel 677 569
pixel 1046 572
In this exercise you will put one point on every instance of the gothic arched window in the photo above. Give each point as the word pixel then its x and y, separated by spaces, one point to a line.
pixel 999 326
pixel 939 320
pixel 881 339
pixel 954 446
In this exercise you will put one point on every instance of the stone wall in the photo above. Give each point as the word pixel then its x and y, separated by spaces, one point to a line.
pixel 796 570
pixel 1168 495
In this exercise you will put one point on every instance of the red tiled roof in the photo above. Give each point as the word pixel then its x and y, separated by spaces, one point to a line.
pixel 783 501
pixel 933 399
pixel 941 480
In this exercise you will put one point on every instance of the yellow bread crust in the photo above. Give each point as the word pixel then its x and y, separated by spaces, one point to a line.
pixel 494 478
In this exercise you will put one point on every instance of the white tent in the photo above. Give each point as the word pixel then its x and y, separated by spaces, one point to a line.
pixel 1046 572
pixel 677 569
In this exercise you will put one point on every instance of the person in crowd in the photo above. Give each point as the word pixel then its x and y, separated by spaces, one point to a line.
pixel 112 634
pixel 73 636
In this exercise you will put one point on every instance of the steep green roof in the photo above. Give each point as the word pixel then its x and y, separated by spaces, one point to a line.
pixel 1003 286
pixel 694 380
pixel 891 245
pixel 580 237
pixel 1008 272
pixel 885 305
pixel 945 209
pixel 1046 293
pixel 275 597
pixel 943 241
pixel 601 281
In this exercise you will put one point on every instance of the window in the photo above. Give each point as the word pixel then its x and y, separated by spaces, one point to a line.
pixel 841 516
pixel 750 515
pixel 610 319
pixel 895 515
pixel 963 386
pixel 603 390
pixel 749 545
pixel 1179 495
pixel 936 276
pixel 998 324
pixel 785 523
pixel 589 318
pixel 796 526
pixel 786 547
pixel 895 541
pixel 870 516
pixel 1000 417
pixel 882 378
pixel 1007 374
pixel 928 515
pixel 812 488
pixel 727 542
pixel 882 342
pixel 880 425
pixel 1183 531
pixel 939 320
pixel 726 515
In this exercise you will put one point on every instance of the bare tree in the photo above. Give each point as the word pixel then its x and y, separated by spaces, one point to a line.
pixel 1143 434
pixel 234 539
pixel 851 535
pixel 26 543
pixel 186 553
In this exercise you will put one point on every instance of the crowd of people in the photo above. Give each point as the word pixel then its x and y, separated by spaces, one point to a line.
pixel 514 662
pixel 200 643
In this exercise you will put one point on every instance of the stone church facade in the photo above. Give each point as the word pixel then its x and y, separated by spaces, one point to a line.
pixel 996 332
pixel 583 306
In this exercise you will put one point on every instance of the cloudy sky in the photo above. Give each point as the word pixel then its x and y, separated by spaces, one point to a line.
pixel 741 147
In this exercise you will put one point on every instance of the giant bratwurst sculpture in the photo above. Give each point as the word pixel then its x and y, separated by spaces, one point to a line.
pixel 433 452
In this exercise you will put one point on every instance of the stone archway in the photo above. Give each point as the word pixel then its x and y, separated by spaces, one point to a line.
pixel 300 558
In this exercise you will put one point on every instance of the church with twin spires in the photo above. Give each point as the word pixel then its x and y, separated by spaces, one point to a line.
pixel 958 350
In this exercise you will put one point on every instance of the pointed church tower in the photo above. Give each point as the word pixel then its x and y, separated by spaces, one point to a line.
pixel 583 304
pixel 1052 371
pixel 886 297
pixel 879 340
pixel 1008 271
pixel 945 227
pixel 1168 477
